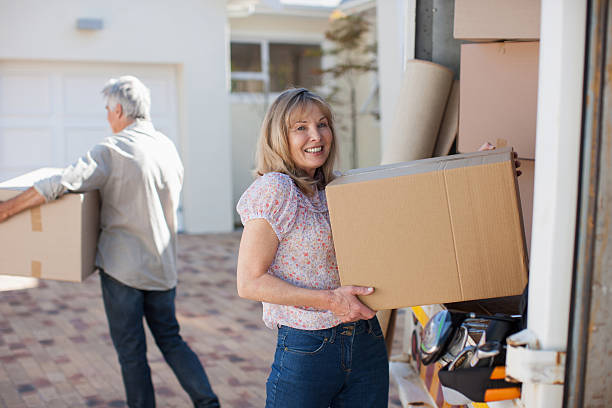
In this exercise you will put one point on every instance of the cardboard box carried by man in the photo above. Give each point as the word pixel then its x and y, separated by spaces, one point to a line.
pixel 54 241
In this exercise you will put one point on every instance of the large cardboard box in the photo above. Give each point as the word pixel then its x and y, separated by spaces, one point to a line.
pixel 490 20
pixel 431 231
pixel 498 96
pixel 54 241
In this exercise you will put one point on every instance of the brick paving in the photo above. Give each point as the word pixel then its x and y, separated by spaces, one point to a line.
pixel 55 350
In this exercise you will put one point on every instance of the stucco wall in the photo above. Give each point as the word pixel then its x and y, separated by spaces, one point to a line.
pixel 368 127
pixel 278 27
pixel 247 113
pixel 190 34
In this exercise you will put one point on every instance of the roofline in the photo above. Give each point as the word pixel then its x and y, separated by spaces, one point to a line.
pixel 356 6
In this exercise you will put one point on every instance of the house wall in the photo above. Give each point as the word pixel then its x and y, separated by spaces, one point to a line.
pixel 396 44
pixel 368 127
pixel 189 34
pixel 247 112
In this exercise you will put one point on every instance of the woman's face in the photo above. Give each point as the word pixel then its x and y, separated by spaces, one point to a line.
pixel 310 139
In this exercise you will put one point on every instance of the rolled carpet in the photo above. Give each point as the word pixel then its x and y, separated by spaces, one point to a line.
pixel 450 123
pixel 424 92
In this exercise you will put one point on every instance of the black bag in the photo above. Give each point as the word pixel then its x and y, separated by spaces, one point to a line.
pixel 477 384
pixel 483 384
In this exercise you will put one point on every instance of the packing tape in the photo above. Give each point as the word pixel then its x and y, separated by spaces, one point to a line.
pixel 36 218
pixel 36 269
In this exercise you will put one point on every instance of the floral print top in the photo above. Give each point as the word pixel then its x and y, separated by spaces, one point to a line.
pixel 305 255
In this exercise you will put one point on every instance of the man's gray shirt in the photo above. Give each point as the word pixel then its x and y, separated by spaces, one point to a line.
pixel 139 175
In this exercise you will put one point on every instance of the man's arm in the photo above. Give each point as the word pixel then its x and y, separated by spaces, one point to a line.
pixel 24 201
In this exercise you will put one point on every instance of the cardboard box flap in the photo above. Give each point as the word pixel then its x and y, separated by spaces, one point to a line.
pixel 423 166
pixel 487 233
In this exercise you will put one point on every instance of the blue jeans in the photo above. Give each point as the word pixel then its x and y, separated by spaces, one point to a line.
pixel 125 308
pixel 345 366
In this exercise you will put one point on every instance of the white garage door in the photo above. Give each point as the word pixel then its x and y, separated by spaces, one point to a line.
pixel 52 113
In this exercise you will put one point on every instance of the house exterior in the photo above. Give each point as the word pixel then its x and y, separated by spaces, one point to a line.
pixel 56 56
pixel 51 74
pixel 271 38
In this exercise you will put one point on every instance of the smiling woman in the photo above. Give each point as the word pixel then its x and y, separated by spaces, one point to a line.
pixel 310 139
pixel 287 261
pixel 298 120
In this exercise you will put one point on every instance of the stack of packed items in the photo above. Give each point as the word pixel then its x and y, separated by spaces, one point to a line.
pixel 499 81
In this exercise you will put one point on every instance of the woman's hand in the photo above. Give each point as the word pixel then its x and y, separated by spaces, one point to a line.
pixel 345 305
pixel 258 248
pixel 517 163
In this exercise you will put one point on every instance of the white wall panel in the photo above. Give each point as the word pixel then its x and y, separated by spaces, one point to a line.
pixel 81 95
pixel 65 100
pixel 25 148
pixel 190 36
pixel 25 95
pixel 161 95
pixel 80 140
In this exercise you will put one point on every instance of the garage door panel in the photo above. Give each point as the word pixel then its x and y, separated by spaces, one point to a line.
pixel 79 141
pixel 26 148
pixel 25 95
pixel 160 98
pixel 82 96
pixel 52 113
pixel 25 123
pixel 84 122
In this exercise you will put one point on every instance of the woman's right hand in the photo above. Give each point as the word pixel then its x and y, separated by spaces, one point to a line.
pixel 345 305
pixel 258 248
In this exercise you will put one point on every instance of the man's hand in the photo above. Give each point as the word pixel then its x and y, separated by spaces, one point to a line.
pixel 4 212
pixel 345 305
pixel 517 163
pixel 24 201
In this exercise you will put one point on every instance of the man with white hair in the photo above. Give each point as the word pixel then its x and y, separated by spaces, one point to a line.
pixel 139 175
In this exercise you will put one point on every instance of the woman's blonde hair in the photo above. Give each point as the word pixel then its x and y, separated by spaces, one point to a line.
pixel 273 145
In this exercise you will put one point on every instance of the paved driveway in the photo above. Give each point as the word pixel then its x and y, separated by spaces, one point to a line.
pixel 55 350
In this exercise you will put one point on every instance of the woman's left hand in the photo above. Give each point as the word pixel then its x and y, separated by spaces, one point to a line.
pixel 345 305
pixel 488 146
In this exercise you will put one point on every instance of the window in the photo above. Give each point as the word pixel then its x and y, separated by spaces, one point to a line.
pixel 261 67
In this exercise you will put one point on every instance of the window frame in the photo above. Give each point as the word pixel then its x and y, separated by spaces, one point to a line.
pixel 264 75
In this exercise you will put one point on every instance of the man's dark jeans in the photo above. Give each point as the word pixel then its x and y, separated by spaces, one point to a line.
pixel 125 308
